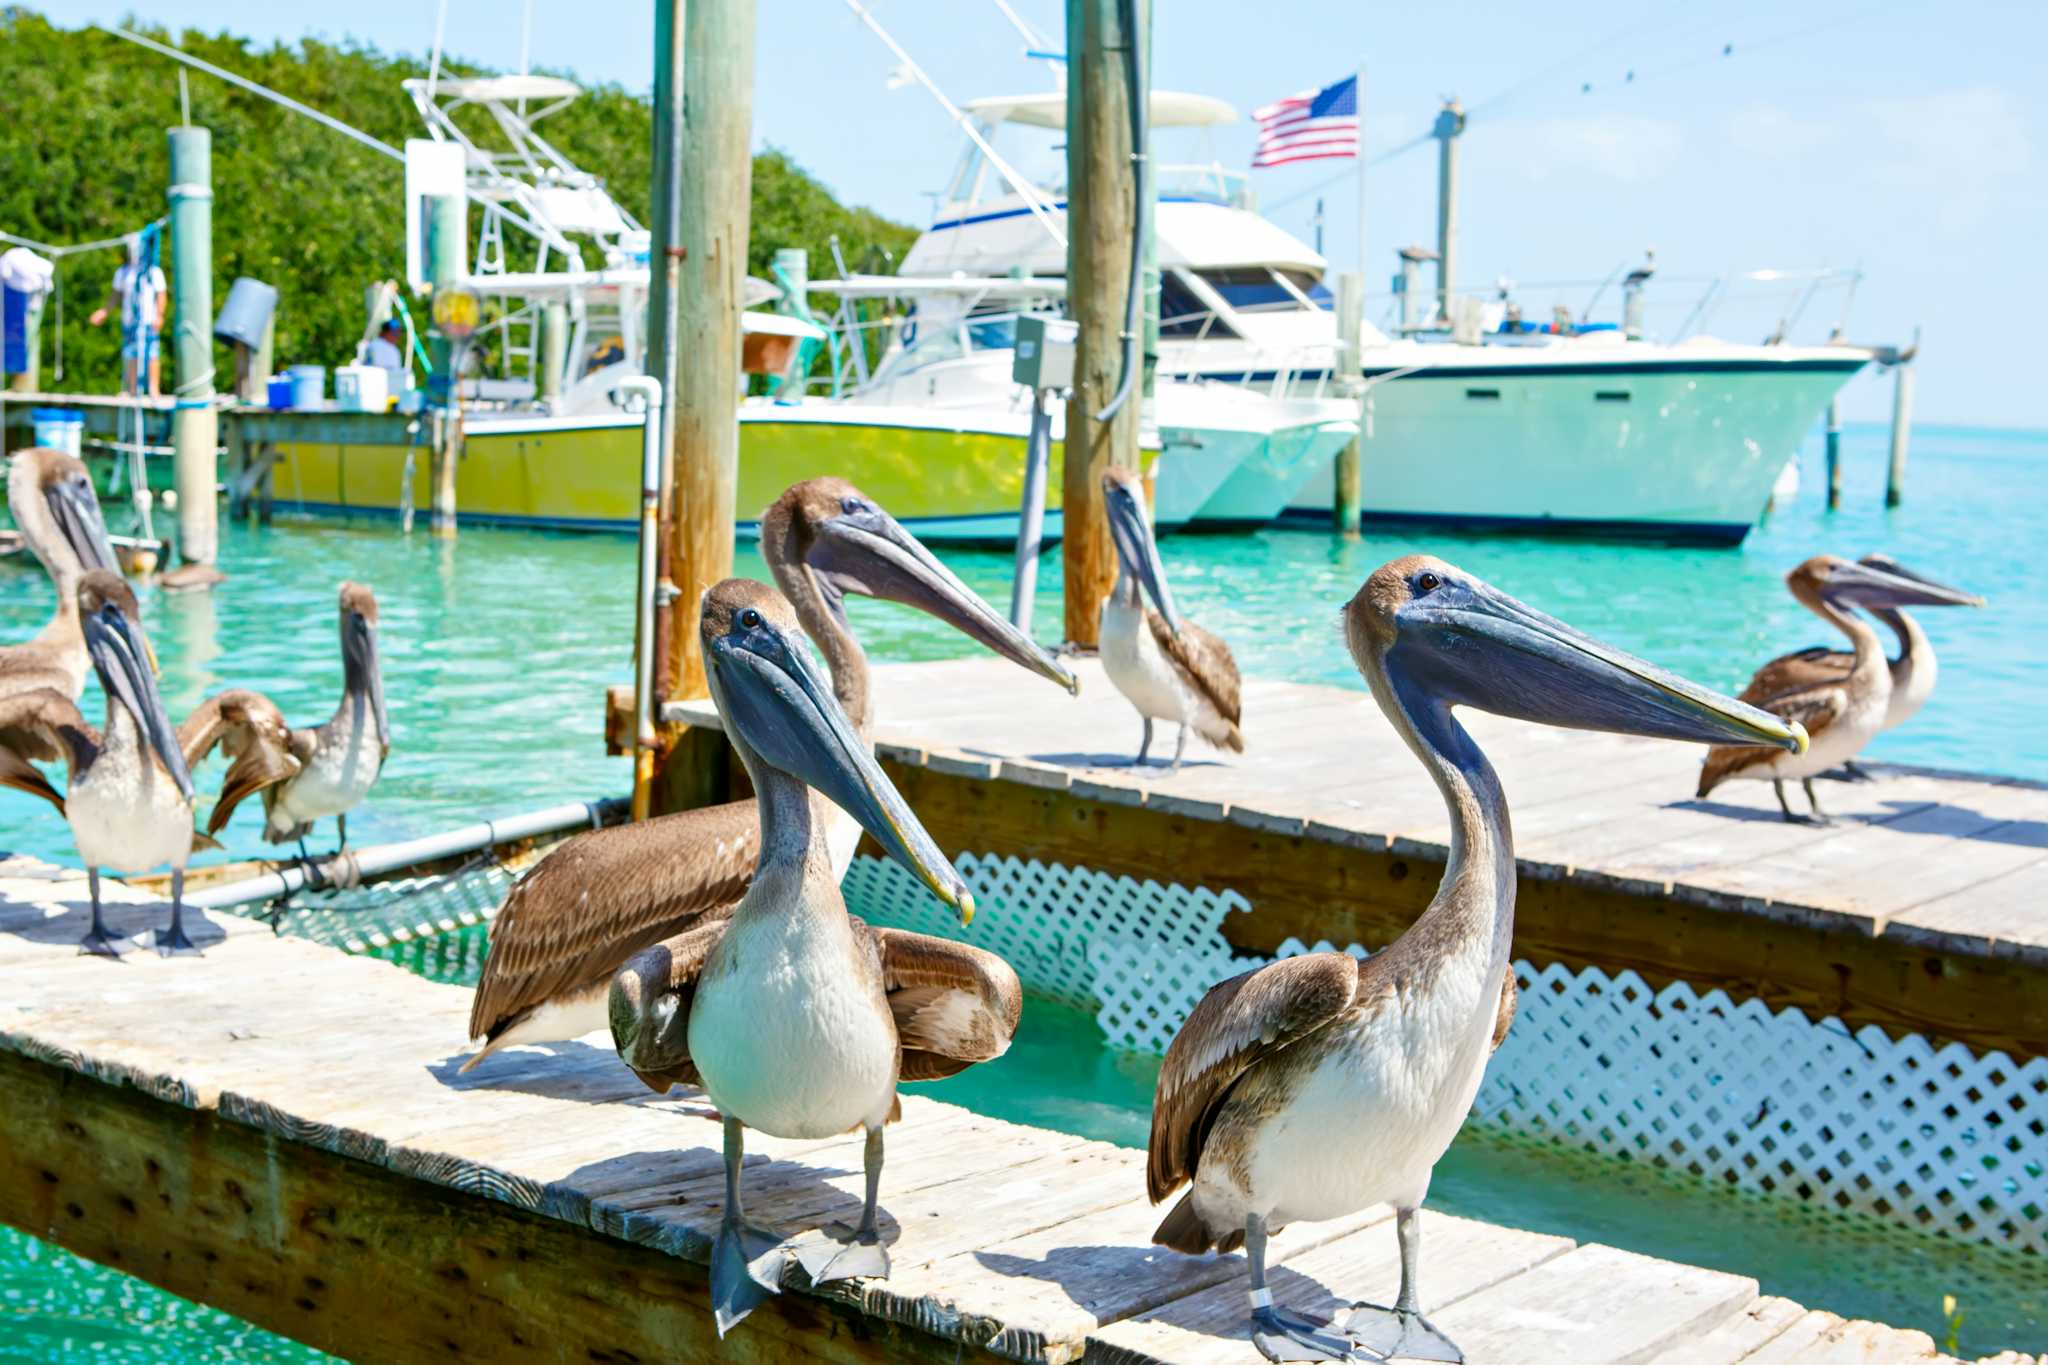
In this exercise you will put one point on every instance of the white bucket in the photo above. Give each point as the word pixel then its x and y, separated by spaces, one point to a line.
pixel 60 429
pixel 362 388
pixel 309 386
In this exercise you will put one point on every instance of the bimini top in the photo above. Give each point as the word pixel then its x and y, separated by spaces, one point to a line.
pixel 484 89
pixel 1170 109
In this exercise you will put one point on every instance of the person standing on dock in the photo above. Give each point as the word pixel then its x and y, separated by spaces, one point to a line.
pixel 141 294
pixel 386 351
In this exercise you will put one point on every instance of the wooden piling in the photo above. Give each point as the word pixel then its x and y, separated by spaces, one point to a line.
pixel 1902 433
pixel 1347 501
pixel 195 433
pixel 713 196
pixel 554 349
pixel 1449 124
pixel 1101 231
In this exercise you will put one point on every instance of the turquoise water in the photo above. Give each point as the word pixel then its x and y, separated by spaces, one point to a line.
pixel 497 648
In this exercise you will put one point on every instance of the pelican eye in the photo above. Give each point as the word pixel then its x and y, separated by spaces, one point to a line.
pixel 750 619
pixel 852 504
pixel 1427 582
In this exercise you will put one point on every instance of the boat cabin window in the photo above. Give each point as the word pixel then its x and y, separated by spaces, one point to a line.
pixel 1259 289
pixel 1183 314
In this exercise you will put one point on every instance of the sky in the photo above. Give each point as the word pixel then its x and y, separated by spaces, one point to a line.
pixel 1908 142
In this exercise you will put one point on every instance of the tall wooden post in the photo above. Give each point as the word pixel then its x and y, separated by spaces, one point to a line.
pixel 1902 433
pixel 1834 455
pixel 1101 225
pixel 1345 504
pixel 714 189
pixel 195 434
pixel 447 264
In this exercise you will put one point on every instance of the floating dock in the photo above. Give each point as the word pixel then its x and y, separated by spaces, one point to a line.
pixel 1923 908
pixel 278 1129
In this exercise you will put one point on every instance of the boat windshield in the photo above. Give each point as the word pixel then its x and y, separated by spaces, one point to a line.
pixel 1263 289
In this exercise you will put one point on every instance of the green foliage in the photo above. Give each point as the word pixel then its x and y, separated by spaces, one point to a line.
pixel 83 155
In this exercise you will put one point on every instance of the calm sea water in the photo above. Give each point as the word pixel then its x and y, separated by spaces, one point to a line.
pixel 497 648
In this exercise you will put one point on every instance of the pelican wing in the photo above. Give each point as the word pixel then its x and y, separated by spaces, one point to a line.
pixel 1798 670
pixel 954 1004
pixel 1237 1024
pixel 683 957
pixel 249 728
pixel 601 897
pixel 1205 662
pixel 1504 1014
pixel 42 726
pixel 1816 706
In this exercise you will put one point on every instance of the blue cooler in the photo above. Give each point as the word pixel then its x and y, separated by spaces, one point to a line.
pixel 59 429
pixel 278 393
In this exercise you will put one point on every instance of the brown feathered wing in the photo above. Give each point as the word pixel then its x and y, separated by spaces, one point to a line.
pixel 1205 662
pixel 248 727
pixel 1815 706
pixel 954 1004
pixel 601 897
pixel 673 966
pixel 42 725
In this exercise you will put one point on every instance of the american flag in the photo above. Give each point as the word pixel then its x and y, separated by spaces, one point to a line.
pixel 1309 126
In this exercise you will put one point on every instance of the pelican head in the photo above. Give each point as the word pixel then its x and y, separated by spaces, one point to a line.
pixel 780 714
pixel 852 545
pixel 650 1025
pixel 1429 636
pixel 1951 597
pixel 361 672
pixel 126 666
pixel 1130 527
pixel 59 513
pixel 1843 583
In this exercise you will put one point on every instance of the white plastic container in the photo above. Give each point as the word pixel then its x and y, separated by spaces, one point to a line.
pixel 309 387
pixel 362 388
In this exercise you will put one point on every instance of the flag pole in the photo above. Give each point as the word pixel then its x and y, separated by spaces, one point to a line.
pixel 1364 266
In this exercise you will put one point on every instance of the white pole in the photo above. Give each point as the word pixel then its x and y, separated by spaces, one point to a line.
pixel 1364 266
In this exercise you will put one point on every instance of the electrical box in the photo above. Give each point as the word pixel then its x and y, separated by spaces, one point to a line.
pixel 1044 358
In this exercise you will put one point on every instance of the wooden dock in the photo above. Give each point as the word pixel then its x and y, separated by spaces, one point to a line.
pixel 278 1129
pixel 1923 909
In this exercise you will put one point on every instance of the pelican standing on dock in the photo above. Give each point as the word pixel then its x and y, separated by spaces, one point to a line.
pixel 337 763
pixel 129 798
pixel 796 1019
pixel 1169 667
pixel 1841 710
pixel 1320 1084
pixel 1913 670
pixel 603 896
pixel 58 514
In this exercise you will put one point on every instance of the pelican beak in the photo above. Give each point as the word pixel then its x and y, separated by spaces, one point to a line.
pixel 1131 530
pixel 1476 646
pixel 777 703
pixel 75 508
pixel 363 674
pixel 865 550
pixel 126 667
pixel 650 1029
pixel 1880 581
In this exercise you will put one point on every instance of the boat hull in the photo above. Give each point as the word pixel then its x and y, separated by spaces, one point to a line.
pixel 1259 489
pixel 1669 450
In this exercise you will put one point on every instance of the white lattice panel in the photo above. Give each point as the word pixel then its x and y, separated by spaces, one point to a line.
pixel 1938 1140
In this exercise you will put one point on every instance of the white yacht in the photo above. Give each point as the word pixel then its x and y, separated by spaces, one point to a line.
pixel 1588 428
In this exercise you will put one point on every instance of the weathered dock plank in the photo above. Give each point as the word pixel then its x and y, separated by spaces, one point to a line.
pixel 280 1130
pixel 1921 909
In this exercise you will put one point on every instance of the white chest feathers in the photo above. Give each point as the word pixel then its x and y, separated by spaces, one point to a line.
pixel 126 813
pixel 790 1037
pixel 1133 661
pixel 343 767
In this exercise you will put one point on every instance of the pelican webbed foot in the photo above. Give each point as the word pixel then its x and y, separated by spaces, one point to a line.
pixel 746 1271
pixel 99 941
pixel 1283 1336
pixel 1778 787
pixel 172 940
pixel 849 1253
pixel 1820 817
pixel 1399 1333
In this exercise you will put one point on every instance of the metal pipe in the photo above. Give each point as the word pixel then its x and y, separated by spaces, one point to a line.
pixel 195 429
pixel 648 390
pixel 371 862
pixel 1031 516
pixel 1449 124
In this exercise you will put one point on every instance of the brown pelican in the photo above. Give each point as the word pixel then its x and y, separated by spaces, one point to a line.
pixel 1319 1085
pixel 333 765
pixel 58 515
pixel 796 1019
pixel 1913 671
pixel 1842 711
pixel 129 798
pixel 605 895
pixel 1169 667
